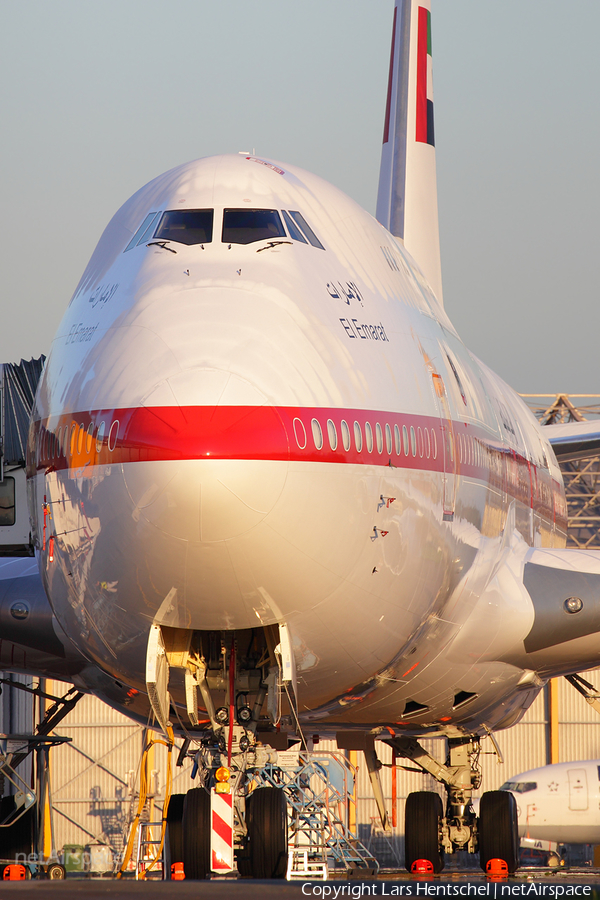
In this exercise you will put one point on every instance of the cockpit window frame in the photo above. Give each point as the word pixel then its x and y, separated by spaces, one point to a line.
pixel 292 228
pixel 306 229
pixel 149 220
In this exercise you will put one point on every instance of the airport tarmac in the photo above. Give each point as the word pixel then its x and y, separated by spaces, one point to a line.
pixel 527 883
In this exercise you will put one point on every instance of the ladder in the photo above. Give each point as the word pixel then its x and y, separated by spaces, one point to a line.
pixel 147 847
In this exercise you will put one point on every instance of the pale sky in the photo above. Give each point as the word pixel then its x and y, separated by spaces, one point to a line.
pixel 98 98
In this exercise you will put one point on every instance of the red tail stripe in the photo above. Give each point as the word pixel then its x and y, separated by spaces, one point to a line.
pixel 422 76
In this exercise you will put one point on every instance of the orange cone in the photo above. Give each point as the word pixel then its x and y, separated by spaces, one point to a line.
pixel 177 873
pixel 422 867
pixel 496 868
pixel 14 873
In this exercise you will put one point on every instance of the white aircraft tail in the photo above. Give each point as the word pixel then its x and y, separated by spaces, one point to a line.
pixel 407 197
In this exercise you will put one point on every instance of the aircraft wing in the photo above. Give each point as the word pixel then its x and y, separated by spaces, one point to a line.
pixel 574 440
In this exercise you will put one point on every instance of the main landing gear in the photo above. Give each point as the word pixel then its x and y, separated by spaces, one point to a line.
pixel 431 832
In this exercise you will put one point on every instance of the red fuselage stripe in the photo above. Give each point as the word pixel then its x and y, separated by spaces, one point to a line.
pixel 326 435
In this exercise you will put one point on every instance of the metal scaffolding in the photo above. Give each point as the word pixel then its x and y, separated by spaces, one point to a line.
pixel 582 478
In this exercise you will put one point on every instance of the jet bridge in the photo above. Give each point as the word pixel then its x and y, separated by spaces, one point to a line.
pixel 18 384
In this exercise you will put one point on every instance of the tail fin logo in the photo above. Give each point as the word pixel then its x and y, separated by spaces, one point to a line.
pixel 424 79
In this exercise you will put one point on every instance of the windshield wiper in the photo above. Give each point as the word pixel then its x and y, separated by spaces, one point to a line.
pixel 162 244
pixel 272 244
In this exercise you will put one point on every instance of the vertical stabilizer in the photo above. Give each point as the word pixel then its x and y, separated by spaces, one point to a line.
pixel 407 197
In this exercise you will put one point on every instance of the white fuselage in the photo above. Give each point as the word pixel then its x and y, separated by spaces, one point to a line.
pixel 559 802
pixel 202 434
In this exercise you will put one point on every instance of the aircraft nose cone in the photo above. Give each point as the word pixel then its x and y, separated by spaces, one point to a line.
pixel 224 455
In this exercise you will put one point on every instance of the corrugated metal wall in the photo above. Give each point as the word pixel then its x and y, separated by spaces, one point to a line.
pixel 17 717
pixel 90 776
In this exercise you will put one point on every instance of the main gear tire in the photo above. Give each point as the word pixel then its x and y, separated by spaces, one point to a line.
pixel 498 829
pixel 422 818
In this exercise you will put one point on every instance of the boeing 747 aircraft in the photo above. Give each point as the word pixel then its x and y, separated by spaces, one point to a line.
pixel 271 490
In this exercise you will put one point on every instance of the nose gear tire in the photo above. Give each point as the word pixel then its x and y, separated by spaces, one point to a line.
pixel 196 834
pixel 174 835
pixel 266 819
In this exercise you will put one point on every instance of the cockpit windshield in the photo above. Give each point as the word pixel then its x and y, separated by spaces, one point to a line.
pixel 244 226
pixel 519 787
pixel 186 226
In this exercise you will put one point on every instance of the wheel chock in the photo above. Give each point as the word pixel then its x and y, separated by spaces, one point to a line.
pixel 177 873
pixel 422 867
pixel 14 873
pixel 496 867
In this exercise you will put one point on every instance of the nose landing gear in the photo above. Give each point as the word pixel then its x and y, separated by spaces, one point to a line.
pixel 236 686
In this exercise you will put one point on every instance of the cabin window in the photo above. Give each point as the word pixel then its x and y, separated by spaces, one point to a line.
pixel 245 226
pixel 413 441
pixel 379 437
pixel 369 437
pixel 100 437
pixel 332 434
pixel 317 433
pixel 306 229
pixel 113 435
pixel 300 433
pixel 358 436
pixel 7 501
pixel 186 226
pixel 345 435
pixel 397 440
pixel 405 439
pixel 388 439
